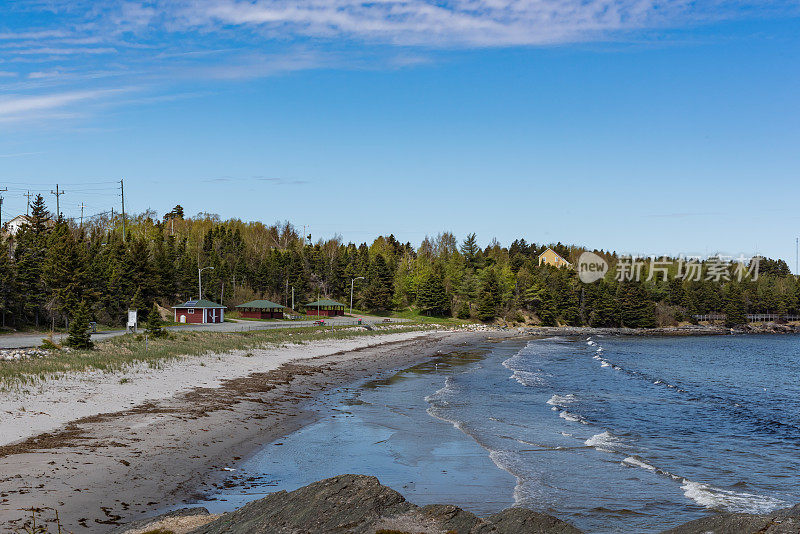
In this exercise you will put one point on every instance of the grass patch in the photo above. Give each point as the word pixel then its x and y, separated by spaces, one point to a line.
pixel 123 351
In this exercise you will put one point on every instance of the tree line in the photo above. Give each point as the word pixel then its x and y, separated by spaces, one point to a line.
pixel 52 268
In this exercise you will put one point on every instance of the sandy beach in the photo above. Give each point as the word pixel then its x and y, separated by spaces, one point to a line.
pixel 107 448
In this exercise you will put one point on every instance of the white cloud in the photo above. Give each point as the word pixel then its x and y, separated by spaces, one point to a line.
pixel 22 107
pixel 457 22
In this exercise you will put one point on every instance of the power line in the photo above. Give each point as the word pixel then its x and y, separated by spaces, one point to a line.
pixel 57 194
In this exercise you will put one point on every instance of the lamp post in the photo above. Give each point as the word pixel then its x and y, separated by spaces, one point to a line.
pixel 200 281
pixel 353 281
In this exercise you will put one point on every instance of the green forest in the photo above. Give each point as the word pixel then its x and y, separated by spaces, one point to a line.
pixel 51 269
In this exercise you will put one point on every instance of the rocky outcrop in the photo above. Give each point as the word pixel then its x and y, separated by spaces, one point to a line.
pixel 785 521
pixel 360 504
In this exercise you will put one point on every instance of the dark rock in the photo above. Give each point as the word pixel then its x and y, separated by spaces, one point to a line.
pixel 449 517
pixel 360 504
pixel 183 512
pixel 518 520
pixel 785 521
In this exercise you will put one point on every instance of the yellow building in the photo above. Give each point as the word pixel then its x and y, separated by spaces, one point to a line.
pixel 551 257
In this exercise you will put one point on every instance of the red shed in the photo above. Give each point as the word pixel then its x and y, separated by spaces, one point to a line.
pixel 261 309
pixel 325 307
pixel 199 311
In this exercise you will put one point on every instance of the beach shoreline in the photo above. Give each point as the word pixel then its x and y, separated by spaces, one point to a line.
pixel 169 443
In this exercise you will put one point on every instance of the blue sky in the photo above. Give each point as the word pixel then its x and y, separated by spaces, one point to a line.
pixel 640 126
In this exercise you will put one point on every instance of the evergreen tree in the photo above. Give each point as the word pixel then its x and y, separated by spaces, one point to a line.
pixel 378 295
pixel 636 310
pixel 463 311
pixel 64 273
pixel 605 311
pixel 155 324
pixel 735 307
pixel 432 297
pixel 490 297
pixel 79 336
pixel 31 249
pixel 470 249
pixel 7 285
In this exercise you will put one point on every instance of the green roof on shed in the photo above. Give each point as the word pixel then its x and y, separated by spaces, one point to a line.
pixel 324 302
pixel 260 304
pixel 202 303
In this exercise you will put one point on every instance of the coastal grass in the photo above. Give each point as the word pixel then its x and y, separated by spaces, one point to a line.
pixel 118 353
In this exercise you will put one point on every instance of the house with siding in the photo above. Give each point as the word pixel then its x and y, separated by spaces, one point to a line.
pixel 199 312
pixel 551 257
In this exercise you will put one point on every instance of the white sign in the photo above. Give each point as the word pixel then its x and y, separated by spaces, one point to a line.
pixel 132 318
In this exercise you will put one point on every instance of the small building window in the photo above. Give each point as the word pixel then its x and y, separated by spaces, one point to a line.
pixel 191 310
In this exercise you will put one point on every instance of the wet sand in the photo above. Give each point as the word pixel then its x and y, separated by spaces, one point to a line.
pixel 109 468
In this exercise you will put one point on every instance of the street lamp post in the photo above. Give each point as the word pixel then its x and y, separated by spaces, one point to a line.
pixel 200 281
pixel 353 281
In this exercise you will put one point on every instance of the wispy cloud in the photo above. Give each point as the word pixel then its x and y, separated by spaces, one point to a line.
pixel 461 23
pixel 163 43
pixel 18 107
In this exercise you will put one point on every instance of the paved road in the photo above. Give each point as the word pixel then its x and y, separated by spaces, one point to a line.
pixel 18 341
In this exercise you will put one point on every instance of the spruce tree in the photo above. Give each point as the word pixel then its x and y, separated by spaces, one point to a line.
pixel 463 311
pixel 155 324
pixel 79 336
pixel 490 297
pixel 64 273
pixel 378 295
pixel 470 249
pixel 636 309
pixel 432 297
pixel 735 307
pixel 7 285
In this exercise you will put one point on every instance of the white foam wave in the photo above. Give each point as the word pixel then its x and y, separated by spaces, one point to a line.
pixel 605 441
pixel 591 343
pixel 632 461
pixel 727 500
pixel 572 417
pixel 605 364
pixel 561 400
pixel 528 378
pixel 597 357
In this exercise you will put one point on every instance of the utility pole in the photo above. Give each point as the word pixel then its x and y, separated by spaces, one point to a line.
pixel 1 210
pixel 122 191
pixel 58 194
pixel 292 297
pixel 82 206
pixel 1 215
pixel 351 291
pixel 200 281
pixel 28 205
pixel 797 256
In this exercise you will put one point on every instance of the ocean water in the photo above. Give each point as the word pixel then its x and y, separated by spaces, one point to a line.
pixel 610 434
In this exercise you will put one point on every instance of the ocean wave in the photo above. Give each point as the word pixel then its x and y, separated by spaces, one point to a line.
pixel 712 497
pixel 727 500
pixel 573 418
pixel 528 378
pixel 508 461
pixel 604 441
pixel 562 400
